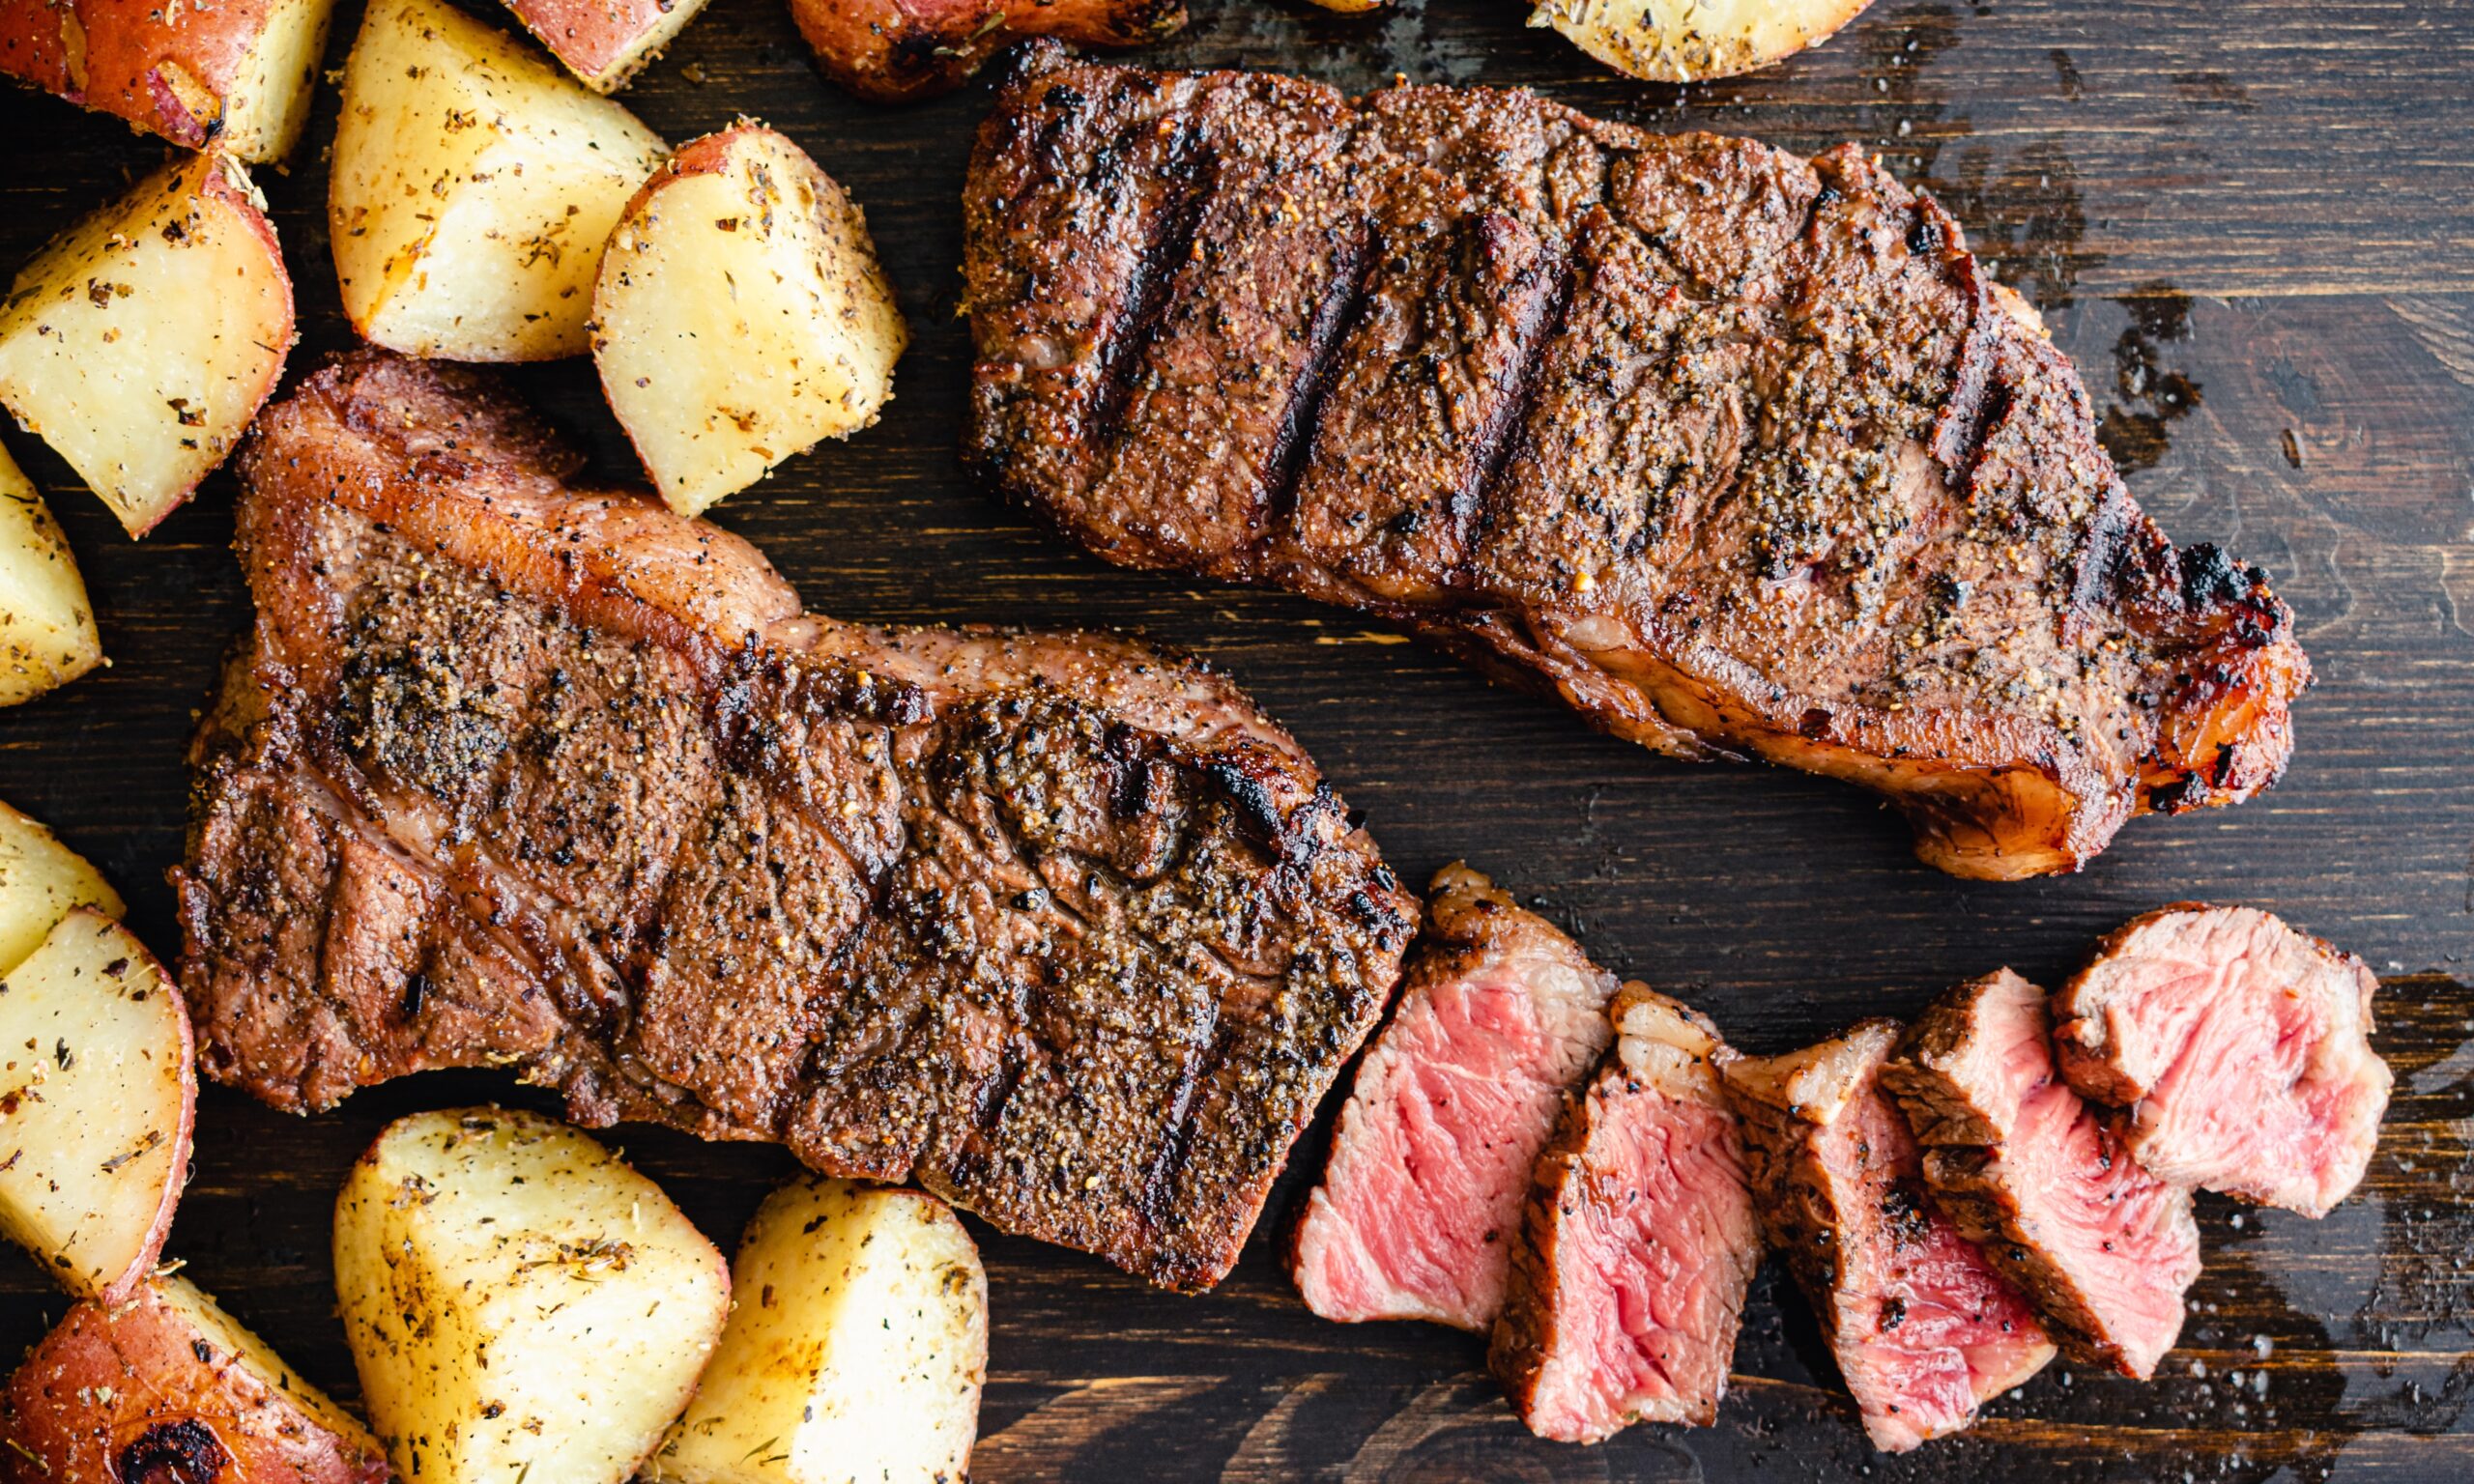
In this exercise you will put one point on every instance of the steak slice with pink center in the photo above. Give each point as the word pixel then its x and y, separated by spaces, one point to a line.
pixel 1924 1330
pixel 2030 1172
pixel 1628 1282
pixel 2241 1048
pixel 1421 1194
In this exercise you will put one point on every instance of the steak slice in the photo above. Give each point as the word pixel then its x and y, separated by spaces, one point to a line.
pixel 1737 452
pixel 2031 1174
pixel 2241 1048
pixel 518 773
pixel 1924 1330
pixel 1421 1197
pixel 1628 1279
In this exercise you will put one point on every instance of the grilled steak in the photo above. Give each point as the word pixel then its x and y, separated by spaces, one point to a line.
pixel 2030 1172
pixel 1739 453
pixel 1924 1330
pixel 515 773
pixel 1628 1282
pixel 1430 1159
pixel 2241 1048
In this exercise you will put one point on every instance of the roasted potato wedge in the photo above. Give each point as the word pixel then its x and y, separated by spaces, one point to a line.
pixel 520 1303
pixel 605 43
pixel 1691 41
pixel 141 342
pixel 98 1095
pixel 473 185
pixel 235 74
pixel 164 1385
pixel 891 50
pixel 47 635
pixel 856 1350
pixel 40 882
pixel 740 316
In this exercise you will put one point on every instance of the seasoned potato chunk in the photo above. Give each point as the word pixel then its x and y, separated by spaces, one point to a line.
pixel 740 316
pixel 141 342
pixel 1688 41
pixel 47 635
pixel 520 1303
pixel 473 186
pixel 856 1352
pixel 164 1385
pixel 605 43
pixel 98 1090
pixel 235 74
pixel 40 881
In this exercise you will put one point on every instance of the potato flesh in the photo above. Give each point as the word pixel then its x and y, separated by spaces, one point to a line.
pixel 856 1352
pixel 1686 40
pixel 519 1302
pixel 40 882
pixel 270 96
pixel 141 342
pixel 473 186
pixel 96 1088
pixel 740 318
pixel 47 635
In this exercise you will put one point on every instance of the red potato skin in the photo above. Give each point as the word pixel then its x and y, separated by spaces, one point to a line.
pixel 891 51
pixel 591 35
pixel 165 76
pixel 132 1392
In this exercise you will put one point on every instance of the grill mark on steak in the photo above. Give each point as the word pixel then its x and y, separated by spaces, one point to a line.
pixel 1343 305
pixel 1496 442
pixel 1745 455
pixel 1058 925
pixel 1190 170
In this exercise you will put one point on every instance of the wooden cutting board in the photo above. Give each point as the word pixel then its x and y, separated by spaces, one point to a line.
pixel 2252 223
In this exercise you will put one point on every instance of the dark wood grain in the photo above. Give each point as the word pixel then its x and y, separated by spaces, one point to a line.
pixel 2252 222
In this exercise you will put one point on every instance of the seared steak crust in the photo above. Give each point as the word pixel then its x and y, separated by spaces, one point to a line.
pixel 1739 453
pixel 515 774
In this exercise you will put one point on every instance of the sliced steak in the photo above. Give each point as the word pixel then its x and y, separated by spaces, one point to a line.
pixel 2032 1174
pixel 521 774
pixel 2241 1048
pixel 1500 1015
pixel 1924 1330
pixel 1739 453
pixel 1628 1282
